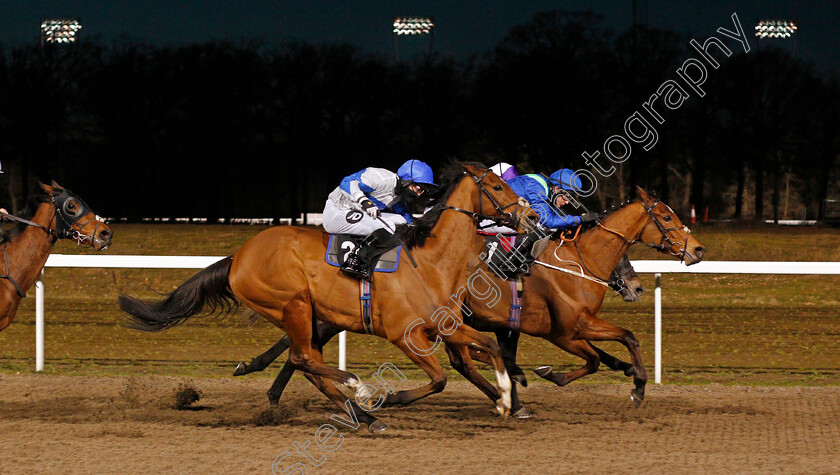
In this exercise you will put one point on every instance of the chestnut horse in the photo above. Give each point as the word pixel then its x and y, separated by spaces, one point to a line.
pixel 59 214
pixel 281 274
pixel 556 306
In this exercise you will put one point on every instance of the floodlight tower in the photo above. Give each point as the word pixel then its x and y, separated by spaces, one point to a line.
pixel 776 29
pixel 781 29
pixel 59 31
pixel 413 26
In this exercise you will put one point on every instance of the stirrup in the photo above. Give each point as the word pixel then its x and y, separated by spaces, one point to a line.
pixel 356 267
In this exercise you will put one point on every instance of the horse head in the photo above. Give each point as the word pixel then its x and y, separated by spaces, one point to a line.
pixel 496 201
pixel 625 281
pixel 666 233
pixel 74 220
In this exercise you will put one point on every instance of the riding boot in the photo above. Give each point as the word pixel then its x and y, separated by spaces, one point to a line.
pixel 521 257
pixel 355 266
pixel 359 263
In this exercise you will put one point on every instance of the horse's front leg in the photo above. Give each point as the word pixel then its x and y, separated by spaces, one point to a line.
pixel 462 360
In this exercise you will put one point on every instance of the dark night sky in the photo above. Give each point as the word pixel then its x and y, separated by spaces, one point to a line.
pixel 462 27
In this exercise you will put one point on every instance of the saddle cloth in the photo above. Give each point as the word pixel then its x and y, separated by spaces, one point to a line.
pixel 340 245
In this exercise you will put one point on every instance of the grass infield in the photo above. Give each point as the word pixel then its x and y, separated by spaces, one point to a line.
pixel 739 329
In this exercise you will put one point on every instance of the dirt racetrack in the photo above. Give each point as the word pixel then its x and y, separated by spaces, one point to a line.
pixel 93 424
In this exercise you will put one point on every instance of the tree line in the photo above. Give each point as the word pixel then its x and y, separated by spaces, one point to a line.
pixel 244 129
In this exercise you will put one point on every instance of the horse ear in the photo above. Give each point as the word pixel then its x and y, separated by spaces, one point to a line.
pixel 643 195
pixel 472 169
pixel 47 188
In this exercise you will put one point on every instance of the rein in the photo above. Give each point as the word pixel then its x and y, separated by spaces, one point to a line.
pixel 66 228
pixel 661 247
pixel 7 275
pixel 9 217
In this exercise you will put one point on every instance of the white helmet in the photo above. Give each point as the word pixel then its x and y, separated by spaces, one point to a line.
pixel 505 170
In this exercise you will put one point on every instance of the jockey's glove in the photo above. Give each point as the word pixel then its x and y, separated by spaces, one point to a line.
pixel 589 217
pixel 369 208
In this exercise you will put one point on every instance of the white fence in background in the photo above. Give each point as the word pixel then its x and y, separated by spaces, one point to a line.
pixel 649 267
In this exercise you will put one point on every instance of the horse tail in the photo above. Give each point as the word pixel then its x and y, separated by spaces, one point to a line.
pixel 209 288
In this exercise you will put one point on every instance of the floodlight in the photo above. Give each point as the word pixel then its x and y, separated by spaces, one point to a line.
pixel 59 31
pixel 413 25
pixel 775 29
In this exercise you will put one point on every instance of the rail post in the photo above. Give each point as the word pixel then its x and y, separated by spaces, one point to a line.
pixel 657 330
pixel 39 322
pixel 342 351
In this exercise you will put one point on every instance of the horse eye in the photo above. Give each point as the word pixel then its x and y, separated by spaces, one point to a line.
pixel 667 219
pixel 498 187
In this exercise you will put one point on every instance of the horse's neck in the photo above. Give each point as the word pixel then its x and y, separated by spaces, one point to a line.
pixel 452 244
pixel 602 249
pixel 27 253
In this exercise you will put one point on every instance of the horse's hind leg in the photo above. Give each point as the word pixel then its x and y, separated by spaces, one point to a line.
pixel 578 348
pixel 280 383
pixel 593 328
pixel 262 361
pixel 297 320
pixel 427 363
pixel 614 363
pixel 325 334
pixel 348 405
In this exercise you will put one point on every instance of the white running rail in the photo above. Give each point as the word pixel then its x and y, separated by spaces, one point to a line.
pixel 647 267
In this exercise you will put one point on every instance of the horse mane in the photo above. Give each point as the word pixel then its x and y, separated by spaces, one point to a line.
pixel 28 212
pixel 415 234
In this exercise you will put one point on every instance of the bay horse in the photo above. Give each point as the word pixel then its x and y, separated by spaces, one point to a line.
pixel 58 214
pixel 562 308
pixel 557 306
pixel 281 274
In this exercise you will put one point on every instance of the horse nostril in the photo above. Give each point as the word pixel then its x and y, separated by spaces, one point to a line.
pixel 699 251
pixel 104 235
pixel 640 290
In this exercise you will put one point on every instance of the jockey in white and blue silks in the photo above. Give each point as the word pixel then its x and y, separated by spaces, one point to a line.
pixel 371 202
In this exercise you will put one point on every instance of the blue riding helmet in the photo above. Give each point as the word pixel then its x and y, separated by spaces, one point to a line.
pixel 566 179
pixel 417 172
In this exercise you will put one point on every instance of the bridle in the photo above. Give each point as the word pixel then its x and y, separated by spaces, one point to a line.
pixel 665 244
pixel 661 247
pixel 67 226
pixel 505 218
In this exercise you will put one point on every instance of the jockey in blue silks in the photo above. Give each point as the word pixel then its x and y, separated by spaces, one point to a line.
pixel 545 196
pixel 371 202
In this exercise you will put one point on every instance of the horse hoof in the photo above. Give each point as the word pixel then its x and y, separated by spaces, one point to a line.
pixel 240 370
pixel 631 371
pixel 523 413
pixel 376 426
pixel 272 401
pixel 503 411
pixel 637 400
pixel 543 371
pixel 520 378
